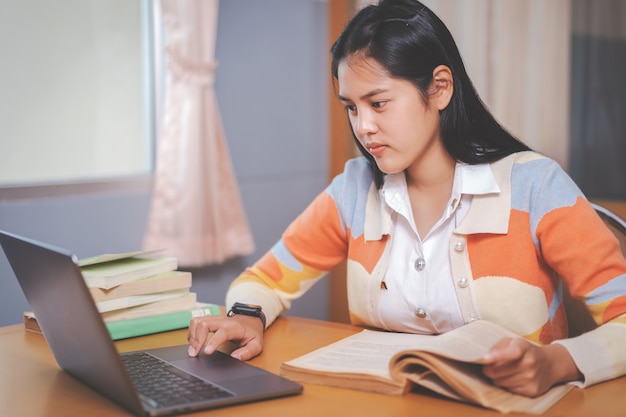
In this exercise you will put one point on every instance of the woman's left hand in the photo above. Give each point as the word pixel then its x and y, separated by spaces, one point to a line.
pixel 527 369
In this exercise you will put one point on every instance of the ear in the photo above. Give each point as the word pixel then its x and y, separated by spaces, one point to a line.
pixel 442 87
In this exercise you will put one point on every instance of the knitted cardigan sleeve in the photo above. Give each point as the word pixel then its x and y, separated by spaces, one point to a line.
pixel 574 241
pixel 313 244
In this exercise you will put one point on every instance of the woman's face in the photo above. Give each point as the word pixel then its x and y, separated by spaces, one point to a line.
pixel 388 115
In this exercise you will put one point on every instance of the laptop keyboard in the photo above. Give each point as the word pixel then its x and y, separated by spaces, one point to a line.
pixel 163 385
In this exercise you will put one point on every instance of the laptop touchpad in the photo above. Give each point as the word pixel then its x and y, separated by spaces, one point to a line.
pixel 216 367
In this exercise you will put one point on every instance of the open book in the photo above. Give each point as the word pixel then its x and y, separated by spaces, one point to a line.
pixel 391 363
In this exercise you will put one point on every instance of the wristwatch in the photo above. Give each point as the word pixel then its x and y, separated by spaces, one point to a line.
pixel 247 310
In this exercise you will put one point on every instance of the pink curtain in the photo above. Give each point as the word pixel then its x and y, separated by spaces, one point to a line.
pixel 196 213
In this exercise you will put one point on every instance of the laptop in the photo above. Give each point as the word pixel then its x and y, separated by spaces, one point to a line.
pixel 56 291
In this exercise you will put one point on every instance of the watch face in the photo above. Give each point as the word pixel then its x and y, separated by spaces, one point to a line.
pixel 246 309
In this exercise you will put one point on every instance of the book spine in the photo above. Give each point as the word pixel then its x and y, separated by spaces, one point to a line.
pixel 123 329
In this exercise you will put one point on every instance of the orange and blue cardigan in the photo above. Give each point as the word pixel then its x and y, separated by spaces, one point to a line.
pixel 511 256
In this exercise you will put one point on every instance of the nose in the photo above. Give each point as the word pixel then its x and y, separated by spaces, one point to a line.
pixel 364 124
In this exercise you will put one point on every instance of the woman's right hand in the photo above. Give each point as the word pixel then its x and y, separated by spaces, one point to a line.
pixel 247 331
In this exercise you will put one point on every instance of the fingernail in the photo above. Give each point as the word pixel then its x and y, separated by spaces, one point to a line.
pixel 191 351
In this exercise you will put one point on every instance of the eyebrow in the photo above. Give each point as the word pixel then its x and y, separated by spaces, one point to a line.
pixel 368 95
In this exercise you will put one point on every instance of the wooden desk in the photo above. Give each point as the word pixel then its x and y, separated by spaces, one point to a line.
pixel 32 384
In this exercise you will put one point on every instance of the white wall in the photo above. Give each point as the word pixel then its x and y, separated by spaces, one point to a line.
pixel 271 89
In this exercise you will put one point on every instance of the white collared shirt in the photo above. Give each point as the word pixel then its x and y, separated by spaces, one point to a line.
pixel 420 295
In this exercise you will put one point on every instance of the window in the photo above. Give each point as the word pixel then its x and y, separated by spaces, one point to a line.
pixel 76 92
pixel 598 126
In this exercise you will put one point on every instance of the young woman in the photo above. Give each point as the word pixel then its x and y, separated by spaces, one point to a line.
pixel 446 219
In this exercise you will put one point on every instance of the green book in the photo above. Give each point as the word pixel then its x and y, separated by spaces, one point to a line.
pixel 123 329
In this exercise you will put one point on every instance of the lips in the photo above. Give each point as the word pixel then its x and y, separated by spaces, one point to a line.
pixel 375 149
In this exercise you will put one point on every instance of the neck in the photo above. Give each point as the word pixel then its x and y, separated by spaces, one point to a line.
pixel 432 171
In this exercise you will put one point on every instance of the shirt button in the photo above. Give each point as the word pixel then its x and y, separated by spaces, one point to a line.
pixel 463 282
pixel 458 246
pixel 420 312
pixel 420 264
pixel 471 319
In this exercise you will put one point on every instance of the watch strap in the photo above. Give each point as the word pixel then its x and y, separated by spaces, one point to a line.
pixel 252 310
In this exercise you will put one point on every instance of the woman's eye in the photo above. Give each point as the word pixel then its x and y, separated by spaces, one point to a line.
pixel 350 108
pixel 378 104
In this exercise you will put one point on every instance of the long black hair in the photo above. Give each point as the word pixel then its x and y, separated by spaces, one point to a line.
pixel 410 41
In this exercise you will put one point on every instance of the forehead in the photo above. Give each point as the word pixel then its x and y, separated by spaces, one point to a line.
pixel 357 74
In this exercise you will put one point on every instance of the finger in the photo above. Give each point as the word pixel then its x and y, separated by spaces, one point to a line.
pixel 503 360
pixel 521 382
pixel 517 386
pixel 220 336
pixel 517 369
pixel 243 354
pixel 247 351
pixel 192 337
pixel 505 351
pixel 501 374
pixel 198 332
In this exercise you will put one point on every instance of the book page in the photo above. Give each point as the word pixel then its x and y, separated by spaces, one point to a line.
pixel 137 300
pixel 363 353
pixel 370 351
pixel 468 343
pixel 183 302
pixel 115 257
pixel 111 274
pixel 448 364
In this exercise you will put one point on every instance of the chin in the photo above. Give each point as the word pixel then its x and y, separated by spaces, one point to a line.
pixel 389 169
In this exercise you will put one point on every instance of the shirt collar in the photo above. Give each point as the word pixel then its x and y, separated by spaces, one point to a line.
pixel 488 183
pixel 468 179
pixel 475 179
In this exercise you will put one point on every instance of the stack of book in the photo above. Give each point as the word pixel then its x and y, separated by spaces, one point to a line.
pixel 138 294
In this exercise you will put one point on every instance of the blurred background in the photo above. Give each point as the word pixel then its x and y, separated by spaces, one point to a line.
pixel 84 86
